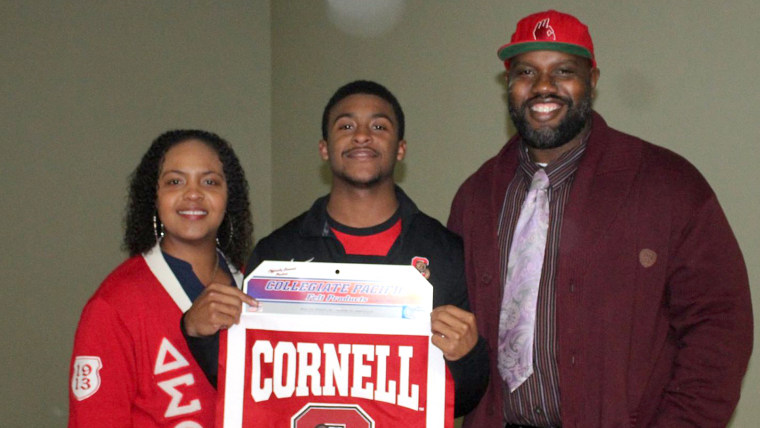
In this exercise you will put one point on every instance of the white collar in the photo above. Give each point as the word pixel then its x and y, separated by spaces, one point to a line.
pixel 165 276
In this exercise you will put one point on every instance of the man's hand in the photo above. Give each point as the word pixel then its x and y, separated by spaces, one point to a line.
pixel 454 331
pixel 218 307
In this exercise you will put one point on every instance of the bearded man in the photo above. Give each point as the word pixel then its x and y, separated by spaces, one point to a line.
pixel 601 268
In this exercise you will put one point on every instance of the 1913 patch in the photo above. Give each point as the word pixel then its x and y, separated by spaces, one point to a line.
pixel 85 379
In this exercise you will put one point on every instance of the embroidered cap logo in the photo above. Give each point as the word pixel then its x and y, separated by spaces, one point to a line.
pixel 544 31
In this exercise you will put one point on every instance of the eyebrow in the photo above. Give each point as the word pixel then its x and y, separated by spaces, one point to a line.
pixel 567 61
pixel 374 116
pixel 177 171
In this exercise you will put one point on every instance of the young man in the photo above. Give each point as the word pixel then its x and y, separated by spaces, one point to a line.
pixel 366 218
pixel 601 269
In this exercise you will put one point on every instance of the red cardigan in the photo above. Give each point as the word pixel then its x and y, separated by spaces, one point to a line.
pixel 130 365
pixel 654 317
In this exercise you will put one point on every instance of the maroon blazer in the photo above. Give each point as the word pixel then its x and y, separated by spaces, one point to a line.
pixel 654 317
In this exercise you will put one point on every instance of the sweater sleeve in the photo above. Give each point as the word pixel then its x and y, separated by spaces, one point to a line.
pixel 711 317
pixel 205 350
pixel 102 370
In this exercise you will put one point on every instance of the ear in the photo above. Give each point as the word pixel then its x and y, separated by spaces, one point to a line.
pixel 401 150
pixel 323 153
pixel 594 77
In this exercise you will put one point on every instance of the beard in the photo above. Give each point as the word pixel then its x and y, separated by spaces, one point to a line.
pixel 361 179
pixel 360 176
pixel 547 137
pixel 358 183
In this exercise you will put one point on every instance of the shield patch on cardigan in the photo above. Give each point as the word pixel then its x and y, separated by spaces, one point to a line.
pixel 85 379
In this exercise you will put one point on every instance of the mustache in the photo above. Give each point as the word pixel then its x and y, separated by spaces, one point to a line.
pixel 549 97
pixel 355 149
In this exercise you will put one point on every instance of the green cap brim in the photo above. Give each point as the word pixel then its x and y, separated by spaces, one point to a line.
pixel 512 50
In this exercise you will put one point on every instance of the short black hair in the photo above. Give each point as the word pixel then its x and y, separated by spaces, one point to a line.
pixel 234 233
pixel 364 87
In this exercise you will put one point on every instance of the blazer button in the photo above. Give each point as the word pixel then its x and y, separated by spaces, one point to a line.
pixel 486 278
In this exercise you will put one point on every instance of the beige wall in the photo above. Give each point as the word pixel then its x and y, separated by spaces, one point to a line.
pixel 681 74
pixel 86 86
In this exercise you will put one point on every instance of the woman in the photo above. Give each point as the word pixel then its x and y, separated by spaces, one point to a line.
pixel 188 228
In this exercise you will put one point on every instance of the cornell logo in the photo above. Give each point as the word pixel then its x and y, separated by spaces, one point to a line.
pixel 326 415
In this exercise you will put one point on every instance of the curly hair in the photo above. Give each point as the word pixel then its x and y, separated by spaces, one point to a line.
pixel 366 87
pixel 234 234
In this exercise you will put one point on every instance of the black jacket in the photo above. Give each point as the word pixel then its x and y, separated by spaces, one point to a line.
pixel 309 237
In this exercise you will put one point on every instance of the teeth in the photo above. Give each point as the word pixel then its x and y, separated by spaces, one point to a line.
pixel 544 108
pixel 193 212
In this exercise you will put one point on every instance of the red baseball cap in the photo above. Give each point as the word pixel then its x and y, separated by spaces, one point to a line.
pixel 549 30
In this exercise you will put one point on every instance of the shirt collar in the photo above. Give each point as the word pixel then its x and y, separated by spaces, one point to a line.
pixel 187 278
pixel 559 170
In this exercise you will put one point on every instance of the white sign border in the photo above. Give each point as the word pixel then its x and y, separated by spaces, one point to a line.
pixel 235 369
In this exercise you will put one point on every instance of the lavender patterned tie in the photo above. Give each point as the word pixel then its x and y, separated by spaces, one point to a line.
pixel 517 318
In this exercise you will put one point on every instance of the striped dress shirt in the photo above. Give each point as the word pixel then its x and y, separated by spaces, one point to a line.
pixel 537 402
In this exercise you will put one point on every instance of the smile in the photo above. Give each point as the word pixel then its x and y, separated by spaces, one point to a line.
pixel 362 153
pixel 544 108
pixel 193 212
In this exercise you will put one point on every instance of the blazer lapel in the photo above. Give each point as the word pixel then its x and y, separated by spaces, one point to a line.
pixel 601 187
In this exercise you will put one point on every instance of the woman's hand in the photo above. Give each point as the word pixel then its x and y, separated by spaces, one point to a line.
pixel 218 307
